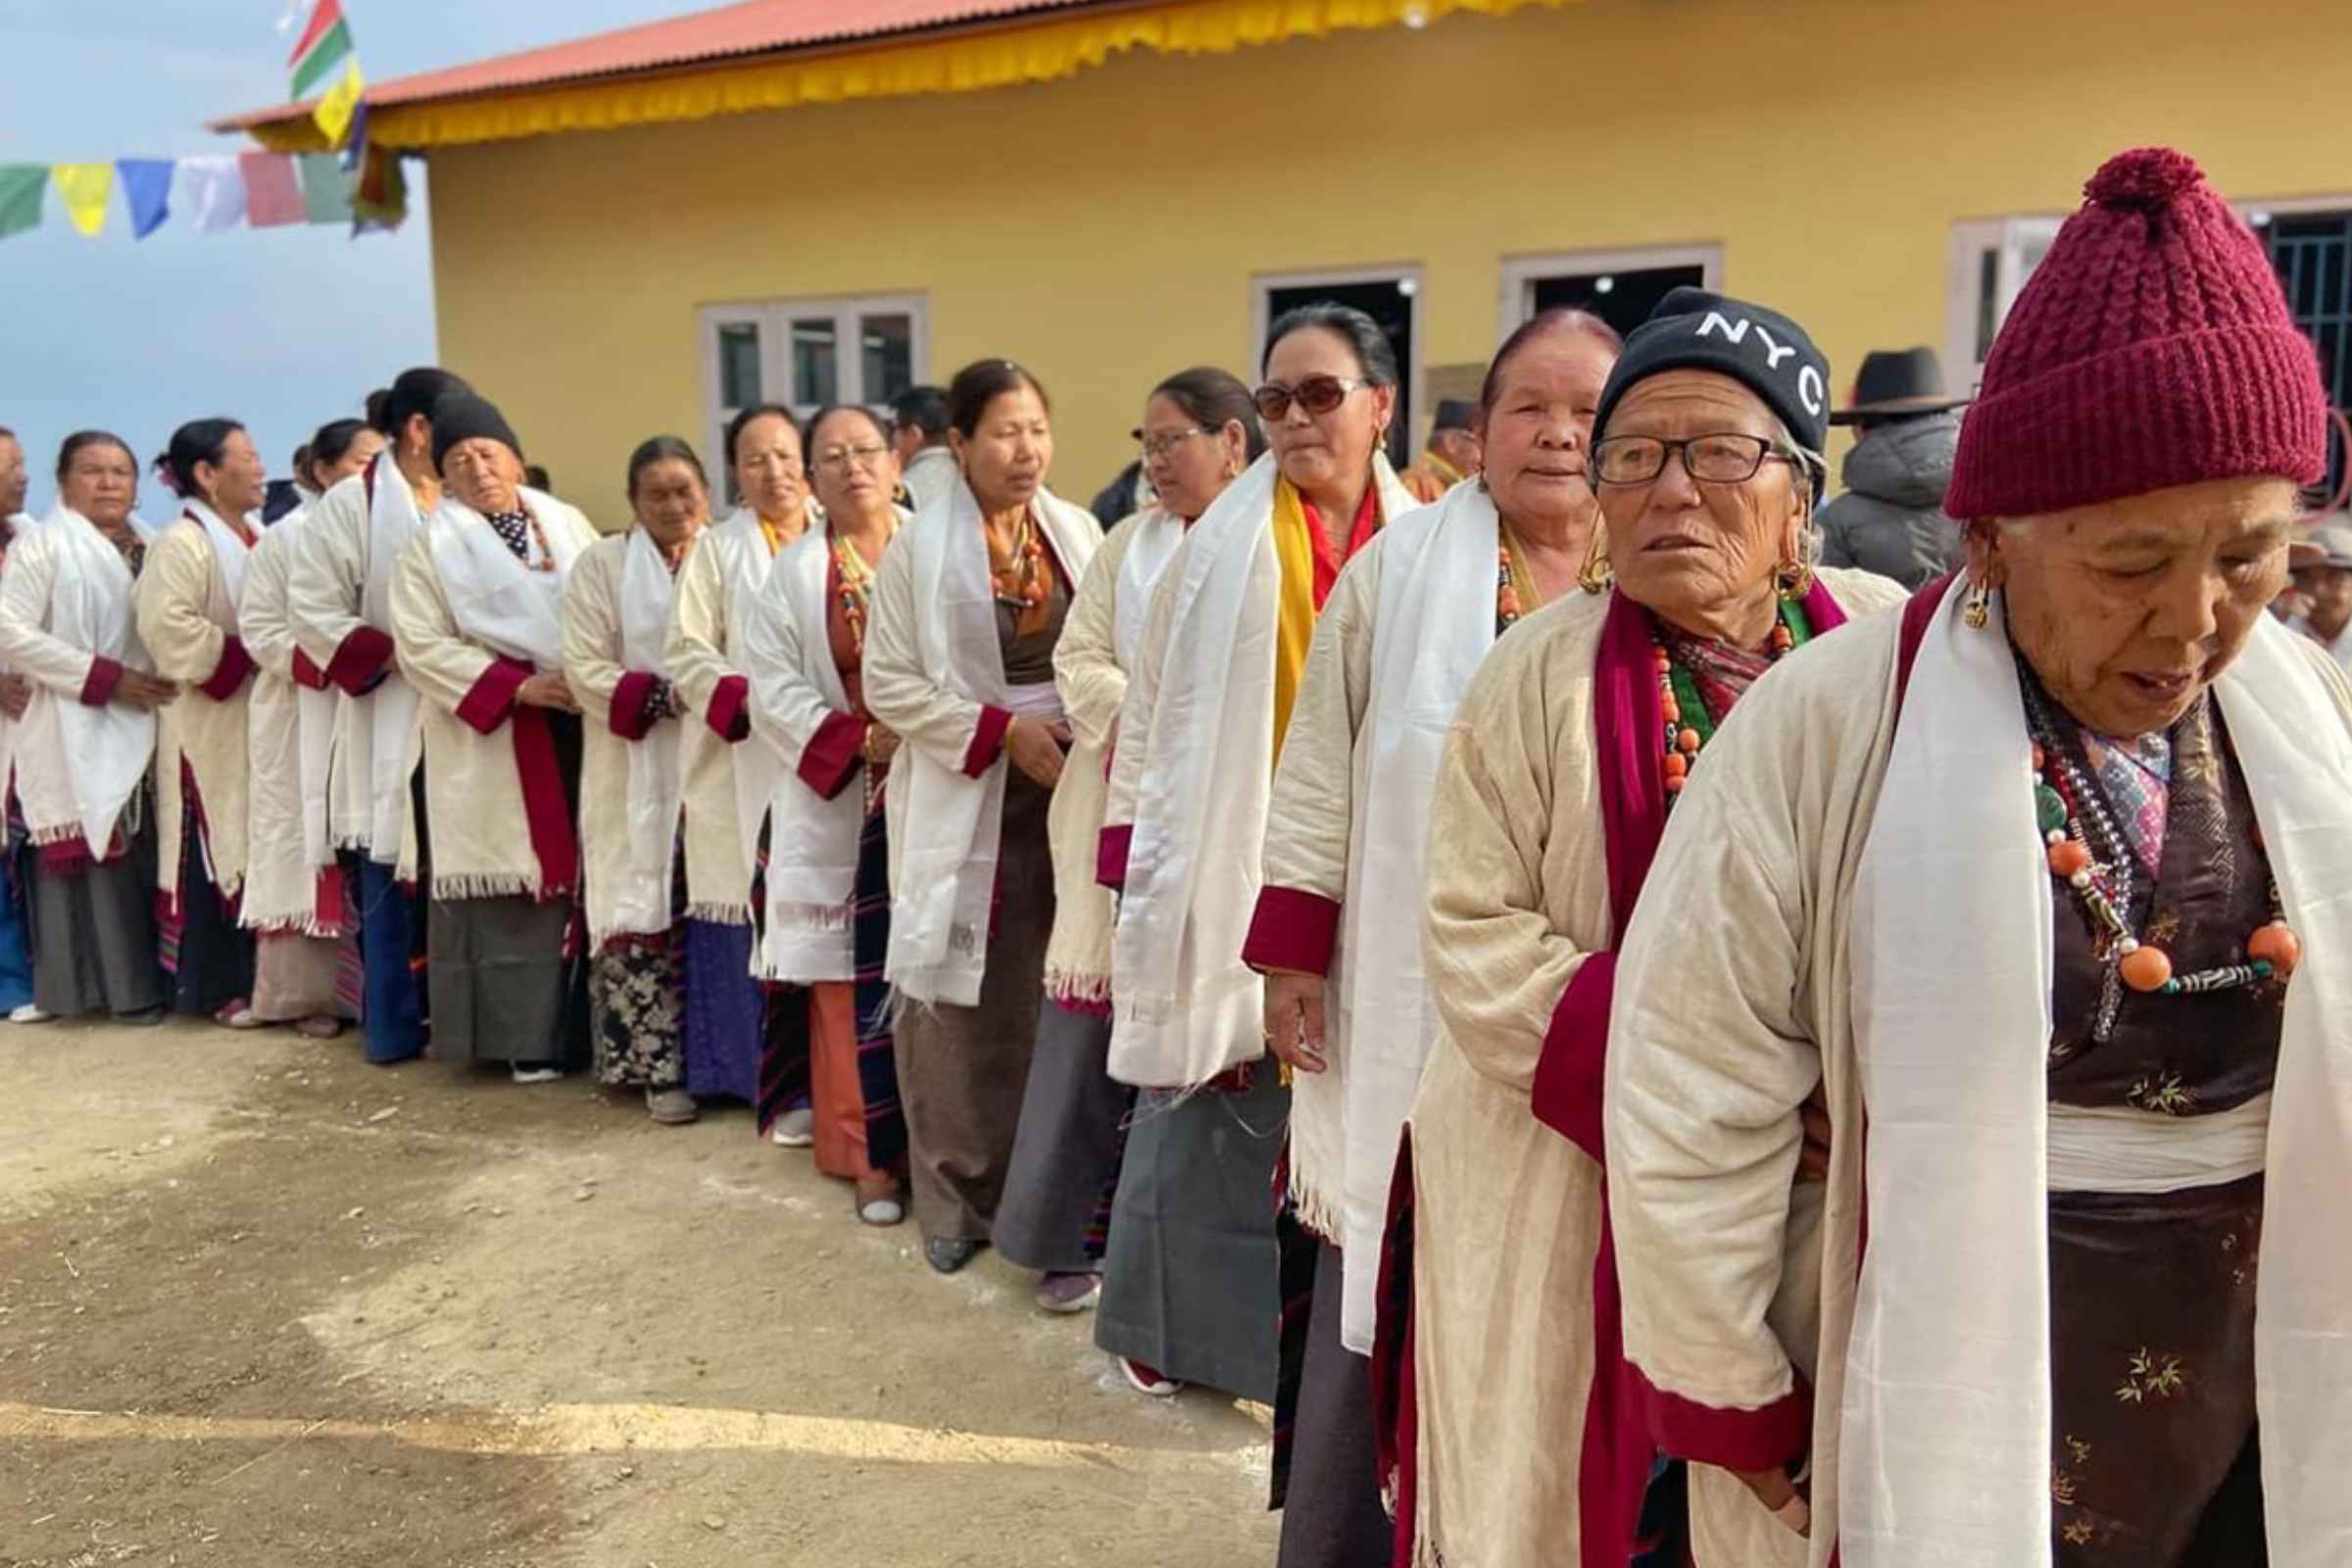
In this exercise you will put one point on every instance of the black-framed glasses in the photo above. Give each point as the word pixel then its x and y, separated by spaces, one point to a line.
pixel 1723 458
pixel 1167 441
pixel 1317 394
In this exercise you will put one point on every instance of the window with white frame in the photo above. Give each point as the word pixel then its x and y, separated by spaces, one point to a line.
pixel 1388 295
pixel 1621 287
pixel 1991 260
pixel 807 354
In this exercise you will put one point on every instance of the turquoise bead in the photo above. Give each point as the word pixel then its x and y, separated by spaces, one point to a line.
pixel 2049 808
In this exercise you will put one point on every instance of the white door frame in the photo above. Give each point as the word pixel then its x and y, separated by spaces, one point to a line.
pixel 1263 286
pixel 1515 291
pixel 775 318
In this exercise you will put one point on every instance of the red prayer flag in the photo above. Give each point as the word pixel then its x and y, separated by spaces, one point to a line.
pixel 323 18
pixel 272 191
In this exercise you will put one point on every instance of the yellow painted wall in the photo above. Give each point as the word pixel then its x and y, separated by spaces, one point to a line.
pixel 1105 230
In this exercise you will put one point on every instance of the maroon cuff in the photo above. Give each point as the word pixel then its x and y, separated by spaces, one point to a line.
pixel 628 715
pixel 1729 1440
pixel 1566 1093
pixel 98 686
pixel 1293 929
pixel 830 759
pixel 1111 856
pixel 307 674
pixel 358 660
pixel 730 714
pixel 492 698
pixel 987 741
pixel 229 675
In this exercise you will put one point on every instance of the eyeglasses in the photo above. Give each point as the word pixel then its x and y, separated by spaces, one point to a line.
pixel 1167 441
pixel 1317 394
pixel 1708 458
pixel 841 460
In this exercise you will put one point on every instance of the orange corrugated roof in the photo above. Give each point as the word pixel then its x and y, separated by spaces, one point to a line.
pixel 750 27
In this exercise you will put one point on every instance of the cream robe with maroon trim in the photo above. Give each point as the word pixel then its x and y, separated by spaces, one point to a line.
pixel 187 616
pixel 294 716
pixel 1506 1210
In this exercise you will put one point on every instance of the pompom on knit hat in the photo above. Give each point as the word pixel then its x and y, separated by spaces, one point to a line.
pixel 2151 347
pixel 463 416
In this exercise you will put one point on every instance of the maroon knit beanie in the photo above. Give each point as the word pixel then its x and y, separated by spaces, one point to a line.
pixel 2151 347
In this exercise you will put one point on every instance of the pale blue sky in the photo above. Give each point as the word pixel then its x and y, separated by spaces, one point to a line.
pixel 283 329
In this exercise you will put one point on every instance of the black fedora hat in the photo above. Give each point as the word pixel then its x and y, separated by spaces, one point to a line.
pixel 1897 384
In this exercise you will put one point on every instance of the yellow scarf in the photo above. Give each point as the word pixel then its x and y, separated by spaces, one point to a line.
pixel 1295 616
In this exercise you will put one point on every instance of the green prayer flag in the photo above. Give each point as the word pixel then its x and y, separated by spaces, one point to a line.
pixel 21 187
pixel 321 57
pixel 325 188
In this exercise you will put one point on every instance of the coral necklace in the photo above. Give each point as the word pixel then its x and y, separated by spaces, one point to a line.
pixel 1689 727
pixel 1020 578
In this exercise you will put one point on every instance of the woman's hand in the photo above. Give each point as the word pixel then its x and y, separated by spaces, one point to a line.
pixel 144 692
pixel 1294 1019
pixel 548 689
pixel 881 745
pixel 1037 748
pixel 1813 1159
pixel 16 695
pixel 1784 1500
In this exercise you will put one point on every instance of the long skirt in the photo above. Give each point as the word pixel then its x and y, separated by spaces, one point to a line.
pixel 726 1013
pixel 16 942
pixel 93 932
pixel 1192 1280
pixel 1066 1154
pixel 393 931
pixel 207 954
pixel 637 1009
pixel 299 976
pixel 1327 1463
pixel 963 1070
pixel 503 989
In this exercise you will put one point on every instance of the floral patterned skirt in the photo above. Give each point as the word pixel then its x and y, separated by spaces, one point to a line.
pixel 637 1002
pixel 2152 1369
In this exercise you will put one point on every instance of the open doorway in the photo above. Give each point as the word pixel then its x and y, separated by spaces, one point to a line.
pixel 1391 296
pixel 1621 287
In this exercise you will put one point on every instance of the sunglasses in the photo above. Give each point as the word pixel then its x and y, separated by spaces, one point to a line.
pixel 1317 395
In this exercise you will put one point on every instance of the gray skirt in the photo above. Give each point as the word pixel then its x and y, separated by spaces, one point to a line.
pixel 501 989
pixel 1192 1283
pixel 1065 1157
pixel 93 932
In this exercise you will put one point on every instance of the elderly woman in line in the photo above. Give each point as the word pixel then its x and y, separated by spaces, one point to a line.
pixel 736 1035
pixel 85 743
pixel 295 901
pixel 2019 885
pixel 1519 1442
pixel 476 612
pixel 827 922
pixel 1218 667
pixel 339 594
pixel 966 611
pixel 186 603
pixel 616 607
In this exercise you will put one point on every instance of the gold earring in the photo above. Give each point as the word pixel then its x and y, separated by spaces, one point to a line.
pixel 1794 580
pixel 1598 576
pixel 1977 609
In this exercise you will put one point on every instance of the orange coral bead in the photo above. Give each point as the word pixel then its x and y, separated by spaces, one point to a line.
pixel 1675 766
pixel 2147 969
pixel 2277 946
pixel 2069 857
pixel 2039 758
pixel 1674 784
pixel 1688 742
pixel 1664 664
pixel 1673 710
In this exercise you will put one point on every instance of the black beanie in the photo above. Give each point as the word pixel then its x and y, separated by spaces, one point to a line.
pixel 1763 350
pixel 463 416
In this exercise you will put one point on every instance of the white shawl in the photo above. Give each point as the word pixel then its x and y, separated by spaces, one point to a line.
pixel 946 869
pixel 744 555
pixel 392 713
pixel 230 553
pixel 315 726
pixel 1186 1007
pixel 641 904
pixel 103 751
pixel 1947 1417
pixel 812 842
pixel 1432 627
pixel 504 603
pixel 1155 539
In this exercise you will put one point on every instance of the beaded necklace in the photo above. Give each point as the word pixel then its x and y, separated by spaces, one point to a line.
pixel 856 579
pixel 1687 724
pixel 2090 857
pixel 1020 579
pixel 512 529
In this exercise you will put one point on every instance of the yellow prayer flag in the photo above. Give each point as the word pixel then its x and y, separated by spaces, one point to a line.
pixel 85 189
pixel 335 110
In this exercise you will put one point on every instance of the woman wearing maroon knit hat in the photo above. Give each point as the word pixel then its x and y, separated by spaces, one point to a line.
pixel 2041 887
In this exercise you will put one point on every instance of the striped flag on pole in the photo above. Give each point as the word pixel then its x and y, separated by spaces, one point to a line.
pixel 325 43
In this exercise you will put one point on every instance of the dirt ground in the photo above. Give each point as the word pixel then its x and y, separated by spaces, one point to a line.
pixel 263 1305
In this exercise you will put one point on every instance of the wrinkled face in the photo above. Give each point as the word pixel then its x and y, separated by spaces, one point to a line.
pixel 1188 463
pixel 1319 450
pixel 13 480
pixel 669 500
pixel 1538 432
pixel 485 475
pixel 363 450
pixel 856 472
pixel 769 471
pixel 1685 547
pixel 2326 593
pixel 1005 459
pixel 2128 609
pixel 102 483
pixel 238 482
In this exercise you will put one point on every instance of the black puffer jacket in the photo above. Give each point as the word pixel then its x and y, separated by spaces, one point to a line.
pixel 1891 520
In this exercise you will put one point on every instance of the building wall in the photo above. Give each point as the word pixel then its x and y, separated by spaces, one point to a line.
pixel 1106 229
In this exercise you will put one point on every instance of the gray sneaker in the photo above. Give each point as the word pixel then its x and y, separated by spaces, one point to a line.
pixel 671 1107
pixel 794 1129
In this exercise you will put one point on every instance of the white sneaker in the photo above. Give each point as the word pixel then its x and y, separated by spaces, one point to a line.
pixel 537 1075
pixel 794 1129
pixel 29 1014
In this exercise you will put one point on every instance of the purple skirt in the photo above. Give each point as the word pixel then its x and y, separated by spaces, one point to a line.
pixel 724 1009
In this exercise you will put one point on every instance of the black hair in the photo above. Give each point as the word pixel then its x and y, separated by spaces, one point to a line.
pixel 881 428
pixel 758 410
pixel 1211 397
pixel 664 449
pixel 6 434
pixel 1375 355
pixel 1560 318
pixel 982 383
pixel 411 392
pixel 331 444
pixel 535 475
pixel 74 444
pixel 197 441
pixel 921 407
